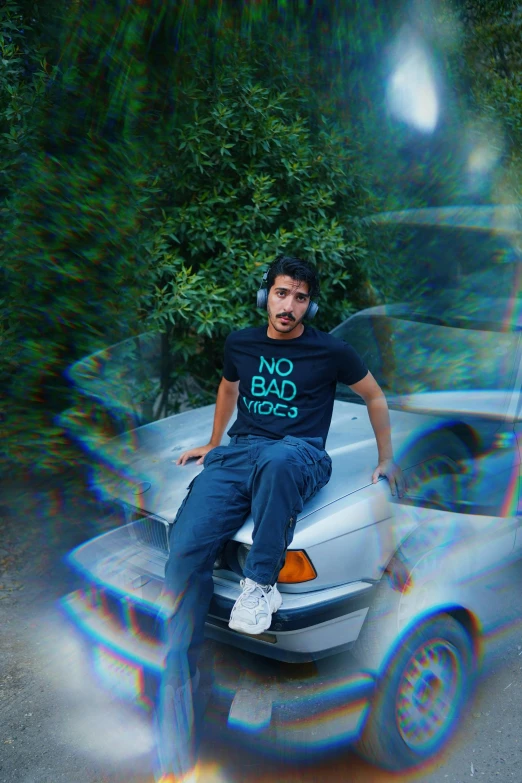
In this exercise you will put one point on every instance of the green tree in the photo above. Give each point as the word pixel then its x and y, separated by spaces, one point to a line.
pixel 245 175
pixel 162 159
pixel 486 68
pixel 71 253
pixel 24 78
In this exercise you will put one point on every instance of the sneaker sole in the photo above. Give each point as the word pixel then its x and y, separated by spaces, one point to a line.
pixel 235 626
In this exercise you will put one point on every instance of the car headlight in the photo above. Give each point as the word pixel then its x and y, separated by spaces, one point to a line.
pixel 297 568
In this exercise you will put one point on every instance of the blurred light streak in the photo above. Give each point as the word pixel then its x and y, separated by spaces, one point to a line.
pixel 411 92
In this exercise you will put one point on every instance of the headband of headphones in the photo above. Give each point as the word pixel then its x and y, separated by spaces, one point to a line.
pixel 262 297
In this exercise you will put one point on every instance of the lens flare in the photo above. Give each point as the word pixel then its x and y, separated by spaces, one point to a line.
pixel 411 90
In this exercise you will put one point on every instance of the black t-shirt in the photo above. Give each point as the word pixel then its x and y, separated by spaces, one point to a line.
pixel 287 387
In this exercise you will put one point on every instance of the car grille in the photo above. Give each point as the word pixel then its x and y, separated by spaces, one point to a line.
pixel 148 529
pixel 148 624
pixel 128 615
pixel 113 607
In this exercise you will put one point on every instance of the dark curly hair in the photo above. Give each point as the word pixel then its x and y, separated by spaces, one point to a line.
pixel 297 269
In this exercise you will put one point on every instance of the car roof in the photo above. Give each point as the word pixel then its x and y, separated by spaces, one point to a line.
pixel 496 315
pixel 500 218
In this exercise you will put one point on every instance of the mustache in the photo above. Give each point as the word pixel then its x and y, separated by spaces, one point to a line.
pixel 285 315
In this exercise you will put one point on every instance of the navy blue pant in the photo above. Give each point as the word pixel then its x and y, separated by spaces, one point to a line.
pixel 272 479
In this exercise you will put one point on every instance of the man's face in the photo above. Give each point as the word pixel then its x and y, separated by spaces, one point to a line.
pixel 288 301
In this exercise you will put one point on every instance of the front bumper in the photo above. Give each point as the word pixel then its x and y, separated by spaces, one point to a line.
pixel 308 626
pixel 118 615
pixel 306 709
pixel 127 578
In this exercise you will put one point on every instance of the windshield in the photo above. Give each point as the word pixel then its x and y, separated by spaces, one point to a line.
pixel 126 379
pixel 408 261
pixel 408 356
pixel 449 281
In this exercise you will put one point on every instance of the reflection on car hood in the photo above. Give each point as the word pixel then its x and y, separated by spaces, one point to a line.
pixel 140 468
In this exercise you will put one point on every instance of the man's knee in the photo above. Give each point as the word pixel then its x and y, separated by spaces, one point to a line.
pixel 279 458
pixel 188 576
pixel 189 553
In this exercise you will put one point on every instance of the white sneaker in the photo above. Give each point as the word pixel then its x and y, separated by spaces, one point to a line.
pixel 253 610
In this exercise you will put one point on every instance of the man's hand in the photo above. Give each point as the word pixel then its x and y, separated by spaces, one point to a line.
pixel 391 471
pixel 198 451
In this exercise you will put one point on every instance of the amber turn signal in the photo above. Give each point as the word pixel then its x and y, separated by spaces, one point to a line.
pixel 297 568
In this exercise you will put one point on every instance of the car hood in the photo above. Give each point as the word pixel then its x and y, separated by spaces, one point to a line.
pixel 139 467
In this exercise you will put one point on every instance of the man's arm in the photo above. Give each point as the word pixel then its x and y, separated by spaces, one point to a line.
pixel 375 400
pixel 226 401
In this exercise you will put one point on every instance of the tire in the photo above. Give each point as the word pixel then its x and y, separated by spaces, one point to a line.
pixel 420 696
pixel 436 443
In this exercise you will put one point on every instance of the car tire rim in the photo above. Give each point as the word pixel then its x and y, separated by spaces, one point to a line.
pixel 434 469
pixel 426 695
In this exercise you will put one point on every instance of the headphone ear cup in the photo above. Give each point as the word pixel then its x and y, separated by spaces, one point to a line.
pixel 312 310
pixel 262 298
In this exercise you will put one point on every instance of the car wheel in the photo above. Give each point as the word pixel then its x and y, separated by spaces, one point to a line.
pixel 420 695
pixel 436 443
pixel 439 461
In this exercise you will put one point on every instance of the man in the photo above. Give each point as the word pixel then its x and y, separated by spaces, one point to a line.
pixel 282 379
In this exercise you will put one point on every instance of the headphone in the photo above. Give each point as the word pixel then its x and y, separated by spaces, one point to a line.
pixel 262 298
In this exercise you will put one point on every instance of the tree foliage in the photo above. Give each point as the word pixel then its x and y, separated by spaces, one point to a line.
pixel 70 255
pixel 24 77
pixel 487 67
pixel 244 176
pixel 155 157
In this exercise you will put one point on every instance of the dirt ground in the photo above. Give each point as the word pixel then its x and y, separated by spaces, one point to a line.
pixel 57 725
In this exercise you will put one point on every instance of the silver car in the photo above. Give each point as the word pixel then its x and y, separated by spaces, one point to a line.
pixel 386 601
